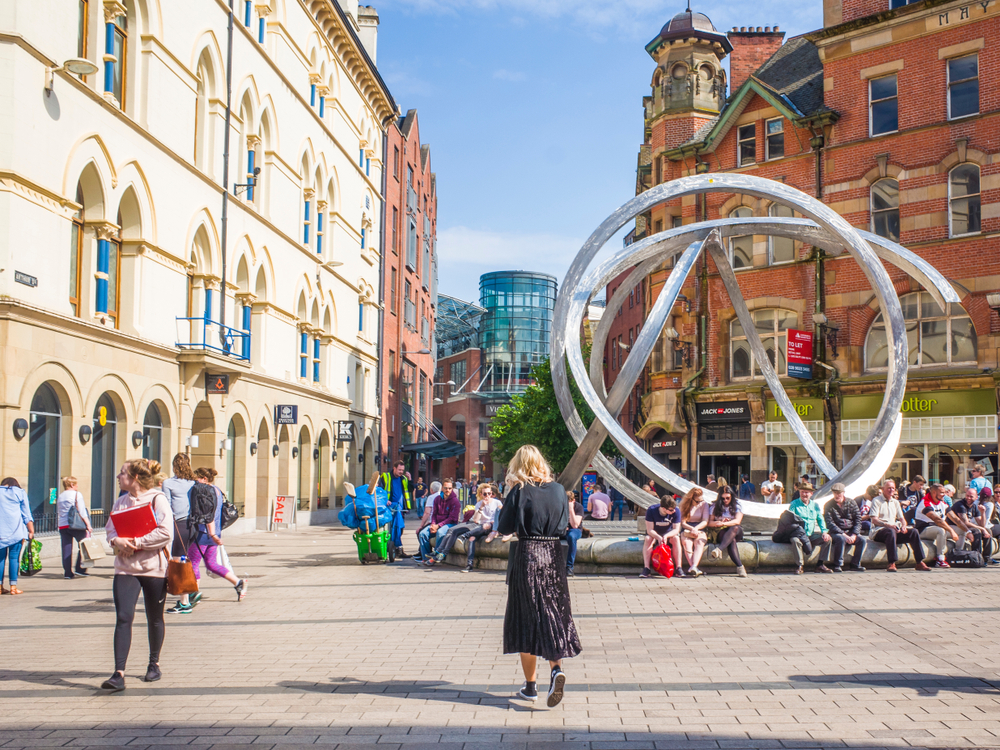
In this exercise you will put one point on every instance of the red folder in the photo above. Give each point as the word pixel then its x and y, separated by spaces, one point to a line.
pixel 134 522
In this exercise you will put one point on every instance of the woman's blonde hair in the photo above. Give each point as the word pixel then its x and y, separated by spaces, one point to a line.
pixel 723 482
pixel 693 496
pixel 68 482
pixel 528 466
pixel 143 471
pixel 482 486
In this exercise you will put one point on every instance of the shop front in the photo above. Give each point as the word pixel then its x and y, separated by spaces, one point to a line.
pixel 785 453
pixel 665 447
pixel 724 435
pixel 944 433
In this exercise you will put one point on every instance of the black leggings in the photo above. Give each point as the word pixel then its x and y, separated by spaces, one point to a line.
pixel 892 538
pixel 728 540
pixel 126 591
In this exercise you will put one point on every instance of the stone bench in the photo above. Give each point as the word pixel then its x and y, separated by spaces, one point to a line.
pixel 618 555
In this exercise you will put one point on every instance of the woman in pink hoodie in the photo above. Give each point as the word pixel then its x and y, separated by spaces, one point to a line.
pixel 140 566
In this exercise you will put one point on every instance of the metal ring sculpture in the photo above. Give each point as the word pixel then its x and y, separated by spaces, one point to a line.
pixel 823 228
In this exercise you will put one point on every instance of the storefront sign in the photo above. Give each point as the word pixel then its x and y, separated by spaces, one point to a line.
pixel 216 384
pixel 345 431
pixel 663 442
pixel 724 411
pixel 800 354
pixel 490 407
pixel 286 414
pixel 806 408
pixel 925 404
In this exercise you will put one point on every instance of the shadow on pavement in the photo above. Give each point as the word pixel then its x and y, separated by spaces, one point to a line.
pixel 53 679
pixel 436 690
pixel 931 684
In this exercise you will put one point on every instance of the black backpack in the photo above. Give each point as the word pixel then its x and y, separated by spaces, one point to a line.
pixel 202 504
pixel 965 558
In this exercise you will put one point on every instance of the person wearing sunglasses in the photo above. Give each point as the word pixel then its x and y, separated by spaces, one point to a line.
pixel 481 524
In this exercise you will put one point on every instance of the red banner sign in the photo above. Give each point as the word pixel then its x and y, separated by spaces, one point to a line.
pixel 800 354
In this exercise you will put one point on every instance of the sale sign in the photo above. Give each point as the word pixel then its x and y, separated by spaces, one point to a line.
pixel 800 354
pixel 283 509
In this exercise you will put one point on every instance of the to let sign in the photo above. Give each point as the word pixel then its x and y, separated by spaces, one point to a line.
pixel 800 354
pixel 282 509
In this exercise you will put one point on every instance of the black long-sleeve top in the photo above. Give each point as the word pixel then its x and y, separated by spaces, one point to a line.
pixel 535 510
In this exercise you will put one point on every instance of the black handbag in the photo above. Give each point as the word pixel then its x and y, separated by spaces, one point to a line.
pixel 229 512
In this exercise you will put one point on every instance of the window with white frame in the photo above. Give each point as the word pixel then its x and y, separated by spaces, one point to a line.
pixel 963 86
pixel 746 144
pixel 741 248
pixel 774 146
pixel 883 105
pixel 771 326
pixel 964 201
pixel 780 249
pixel 885 209
pixel 934 338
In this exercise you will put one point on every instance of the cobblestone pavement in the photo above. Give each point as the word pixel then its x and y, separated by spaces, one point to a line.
pixel 325 651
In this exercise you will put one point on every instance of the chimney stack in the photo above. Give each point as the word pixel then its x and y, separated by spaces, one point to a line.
pixel 752 47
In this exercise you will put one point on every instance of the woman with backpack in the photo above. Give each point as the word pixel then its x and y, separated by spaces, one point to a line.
pixel 140 567
pixel 74 523
pixel 206 517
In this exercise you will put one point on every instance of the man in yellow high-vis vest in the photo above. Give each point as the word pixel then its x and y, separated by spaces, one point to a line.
pixel 397 488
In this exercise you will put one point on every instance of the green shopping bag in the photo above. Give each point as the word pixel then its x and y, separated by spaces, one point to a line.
pixel 31 558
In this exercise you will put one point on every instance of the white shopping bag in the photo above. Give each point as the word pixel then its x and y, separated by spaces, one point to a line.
pixel 222 558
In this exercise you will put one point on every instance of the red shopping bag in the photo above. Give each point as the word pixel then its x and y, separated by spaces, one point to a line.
pixel 663 561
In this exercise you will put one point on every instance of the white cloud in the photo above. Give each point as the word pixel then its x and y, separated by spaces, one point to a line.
pixel 508 75
pixel 464 254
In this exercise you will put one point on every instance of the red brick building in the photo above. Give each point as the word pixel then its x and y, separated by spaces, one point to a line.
pixel 409 290
pixel 891 116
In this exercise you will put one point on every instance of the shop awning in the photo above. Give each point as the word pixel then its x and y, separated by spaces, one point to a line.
pixel 435 448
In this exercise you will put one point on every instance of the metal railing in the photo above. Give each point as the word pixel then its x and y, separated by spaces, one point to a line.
pixel 48 523
pixel 199 333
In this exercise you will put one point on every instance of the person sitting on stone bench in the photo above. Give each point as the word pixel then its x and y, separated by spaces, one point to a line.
pixel 889 527
pixel 481 524
pixel 967 515
pixel 815 528
pixel 930 522
pixel 444 515
pixel 598 505
pixel 843 521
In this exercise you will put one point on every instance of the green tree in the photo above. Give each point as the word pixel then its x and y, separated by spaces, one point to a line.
pixel 533 417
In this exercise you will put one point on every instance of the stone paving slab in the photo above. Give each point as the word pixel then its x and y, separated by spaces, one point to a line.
pixel 326 652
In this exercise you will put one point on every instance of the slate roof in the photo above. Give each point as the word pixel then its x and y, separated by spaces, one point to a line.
pixel 796 71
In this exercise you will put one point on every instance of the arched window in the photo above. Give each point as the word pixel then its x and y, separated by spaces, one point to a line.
pixel 964 200
pixel 780 249
pixel 771 326
pixel 116 61
pixel 885 209
pixel 43 448
pixel 76 254
pixel 103 468
pixel 152 434
pixel 741 248
pixel 933 337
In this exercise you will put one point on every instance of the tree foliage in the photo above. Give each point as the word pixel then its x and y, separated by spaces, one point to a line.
pixel 533 417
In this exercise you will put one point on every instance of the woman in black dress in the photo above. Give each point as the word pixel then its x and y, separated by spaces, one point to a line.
pixel 539 619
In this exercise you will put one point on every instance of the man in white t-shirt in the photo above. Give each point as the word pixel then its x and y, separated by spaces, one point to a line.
pixel 772 488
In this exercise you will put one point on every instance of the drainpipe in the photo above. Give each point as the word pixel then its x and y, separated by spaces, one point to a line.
pixel 381 290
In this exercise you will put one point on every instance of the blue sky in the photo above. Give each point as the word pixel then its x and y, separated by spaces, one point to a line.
pixel 533 112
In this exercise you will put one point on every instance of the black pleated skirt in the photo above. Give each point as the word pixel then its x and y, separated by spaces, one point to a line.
pixel 539 618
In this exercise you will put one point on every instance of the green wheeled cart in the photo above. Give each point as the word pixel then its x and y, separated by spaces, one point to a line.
pixel 374 546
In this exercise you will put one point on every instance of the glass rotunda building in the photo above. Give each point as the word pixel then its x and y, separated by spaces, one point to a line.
pixel 516 330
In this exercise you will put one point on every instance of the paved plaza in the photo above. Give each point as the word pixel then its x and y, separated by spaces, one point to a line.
pixel 325 651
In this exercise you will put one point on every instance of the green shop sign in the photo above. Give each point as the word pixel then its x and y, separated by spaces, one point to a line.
pixel 808 409
pixel 924 404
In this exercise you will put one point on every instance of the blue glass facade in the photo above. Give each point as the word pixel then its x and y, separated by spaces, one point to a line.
pixel 516 331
